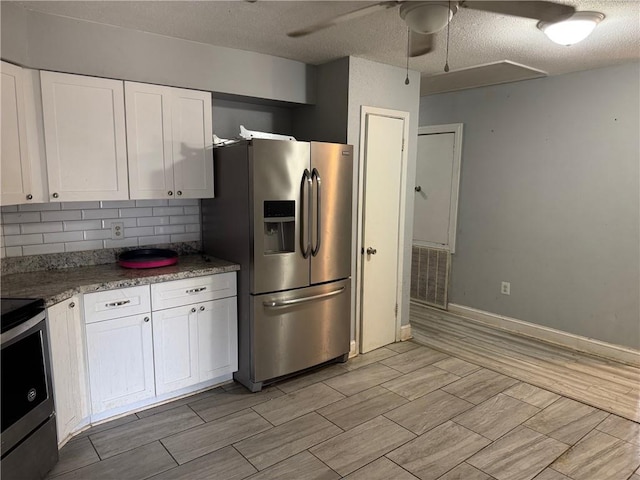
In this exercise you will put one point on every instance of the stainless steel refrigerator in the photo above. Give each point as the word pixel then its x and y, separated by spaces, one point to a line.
pixel 283 212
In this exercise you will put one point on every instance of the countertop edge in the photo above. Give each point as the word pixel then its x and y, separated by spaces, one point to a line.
pixel 167 277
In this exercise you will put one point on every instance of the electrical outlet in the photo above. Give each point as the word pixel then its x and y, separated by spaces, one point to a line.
pixel 117 230
pixel 505 288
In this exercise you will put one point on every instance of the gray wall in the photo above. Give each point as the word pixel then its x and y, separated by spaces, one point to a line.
pixel 230 114
pixel 549 200
pixel 377 85
pixel 50 42
pixel 326 121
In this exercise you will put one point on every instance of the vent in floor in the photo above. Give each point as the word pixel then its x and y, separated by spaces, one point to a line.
pixel 430 275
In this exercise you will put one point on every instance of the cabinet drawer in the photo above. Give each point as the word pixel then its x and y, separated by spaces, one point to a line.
pixel 118 303
pixel 193 290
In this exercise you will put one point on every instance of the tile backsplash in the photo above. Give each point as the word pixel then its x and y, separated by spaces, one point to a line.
pixel 37 229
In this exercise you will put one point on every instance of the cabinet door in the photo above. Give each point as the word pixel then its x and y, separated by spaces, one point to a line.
pixel 148 111
pixel 68 364
pixel 84 130
pixel 217 338
pixel 175 342
pixel 14 159
pixel 192 143
pixel 120 356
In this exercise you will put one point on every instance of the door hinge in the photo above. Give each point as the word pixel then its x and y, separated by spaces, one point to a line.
pixel 403 144
pixel 396 310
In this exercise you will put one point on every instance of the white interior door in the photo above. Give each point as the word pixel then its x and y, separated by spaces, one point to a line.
pixel 383 159
pixel 437 181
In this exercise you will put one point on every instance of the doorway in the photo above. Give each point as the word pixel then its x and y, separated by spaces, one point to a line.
pixel 382 192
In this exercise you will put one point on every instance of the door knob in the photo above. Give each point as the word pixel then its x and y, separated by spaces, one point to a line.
pixel 418 188
pixel 371 251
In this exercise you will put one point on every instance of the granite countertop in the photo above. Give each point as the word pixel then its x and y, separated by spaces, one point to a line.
pixel 58 285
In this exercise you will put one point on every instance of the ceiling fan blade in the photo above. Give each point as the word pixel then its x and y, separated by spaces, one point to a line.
pixel 345 17
pixel 420 44
pixel 539 10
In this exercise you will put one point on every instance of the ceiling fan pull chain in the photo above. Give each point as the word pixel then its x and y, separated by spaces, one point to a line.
pixel 406 80
pixel 446 63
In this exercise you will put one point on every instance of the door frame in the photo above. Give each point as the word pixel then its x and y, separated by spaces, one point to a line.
pixel 404 116
pixel 456 129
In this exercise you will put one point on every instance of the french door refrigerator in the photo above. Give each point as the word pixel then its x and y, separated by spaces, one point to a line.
pixel 283 212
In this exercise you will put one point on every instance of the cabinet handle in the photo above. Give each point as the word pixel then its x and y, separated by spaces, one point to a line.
pixel 146 319
pixel 29 197
pixel 72 305
pixel 193 310
pixel 55 195
pixel 196 290
pixel 170 192
pixel 117 304
pixel 179 192
pixel 202 309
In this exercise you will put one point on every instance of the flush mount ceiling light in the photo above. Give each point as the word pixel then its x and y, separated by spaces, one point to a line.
pixel 573 30
pixel 427 18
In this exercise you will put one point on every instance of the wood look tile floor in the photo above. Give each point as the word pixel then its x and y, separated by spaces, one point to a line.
pixel 405 411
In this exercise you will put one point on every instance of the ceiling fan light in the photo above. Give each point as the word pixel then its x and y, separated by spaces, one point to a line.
pixel 573 30
pixel 426 17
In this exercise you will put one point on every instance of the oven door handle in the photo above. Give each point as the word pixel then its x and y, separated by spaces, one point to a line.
pixel 23 327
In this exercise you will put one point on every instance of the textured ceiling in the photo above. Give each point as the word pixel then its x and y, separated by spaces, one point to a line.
pixel 476 37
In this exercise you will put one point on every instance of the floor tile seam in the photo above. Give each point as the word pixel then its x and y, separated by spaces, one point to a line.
pixel 506 433
pixel 583 436
pixel 234 445
pixel 152 440
pixel 435 426
pixel 535 384
pixel 87 434
pixel 170 454
pixel 477 433
pixel 465 461
pixel 204 422
pixel 623 381
pixel 78 468
pixel 273 425
pixel 333 423
pixel 528 403
pixel 308 450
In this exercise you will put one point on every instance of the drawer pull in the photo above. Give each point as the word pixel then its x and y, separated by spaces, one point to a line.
pixel 72 305
pixel 196 290
pixel 202 309
pixel 117 304
pixel 193 310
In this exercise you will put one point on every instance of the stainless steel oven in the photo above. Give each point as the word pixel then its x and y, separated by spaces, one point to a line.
pixel 29 442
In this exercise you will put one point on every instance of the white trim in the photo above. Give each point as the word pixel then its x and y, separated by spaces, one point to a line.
pixel 405 333
pixel 353 349
pixel 404 116
pixel 456 129
pixel 591 346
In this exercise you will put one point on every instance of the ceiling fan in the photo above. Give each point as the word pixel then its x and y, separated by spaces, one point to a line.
pixel 426 18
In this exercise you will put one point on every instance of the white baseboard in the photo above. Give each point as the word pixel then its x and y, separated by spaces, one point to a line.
pixel 405 333
pixel 550 335
pixel 353 349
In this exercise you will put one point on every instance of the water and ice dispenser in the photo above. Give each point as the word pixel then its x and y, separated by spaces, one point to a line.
pixel 279 226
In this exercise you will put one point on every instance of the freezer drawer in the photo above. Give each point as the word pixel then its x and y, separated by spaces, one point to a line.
pixel 300 328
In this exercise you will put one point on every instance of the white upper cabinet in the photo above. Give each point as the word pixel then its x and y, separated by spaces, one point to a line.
pixel 169 139
pixel 192 143
pixel 84 129
pixel 16 169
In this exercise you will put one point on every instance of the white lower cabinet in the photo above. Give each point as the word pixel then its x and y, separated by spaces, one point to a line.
pixel 217 338
pixel 175 338
pixel 120 353
pixel 152 352
pixel 70 391
pixel 194 343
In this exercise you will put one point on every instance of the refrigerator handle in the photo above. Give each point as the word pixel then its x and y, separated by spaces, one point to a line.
pixel 316 175
pixel 304 214
pixel 295 301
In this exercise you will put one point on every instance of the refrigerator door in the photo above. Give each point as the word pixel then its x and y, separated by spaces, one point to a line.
pixel 299 329
pixel 280 192
pixel 331 225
